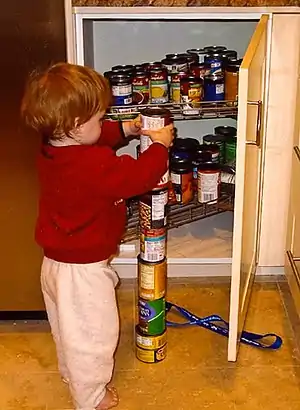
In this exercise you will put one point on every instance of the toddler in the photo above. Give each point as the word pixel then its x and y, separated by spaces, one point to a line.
pixel 81 218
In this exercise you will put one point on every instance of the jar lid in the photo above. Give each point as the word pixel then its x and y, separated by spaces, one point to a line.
pixel 181 165
pixel 120 78
pixel 215 48
pixel 155 112
pixel 185 144
pixel 213 138
pixel 218 54
pixel 177 60
pixel 226 131
pixel 234 63
pixel 190 56
pixel 196 51
pixel 230 53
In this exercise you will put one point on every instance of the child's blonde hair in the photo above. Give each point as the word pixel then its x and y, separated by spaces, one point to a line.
pixel 63 97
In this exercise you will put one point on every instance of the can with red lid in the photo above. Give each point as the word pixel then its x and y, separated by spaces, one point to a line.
pixel 140 88
pixel 159 87
pixel 191 90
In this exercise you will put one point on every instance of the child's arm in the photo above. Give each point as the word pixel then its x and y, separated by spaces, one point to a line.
pixel 114 133
pixel 126 177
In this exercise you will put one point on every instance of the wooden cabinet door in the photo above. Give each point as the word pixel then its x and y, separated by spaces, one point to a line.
pixel 250 140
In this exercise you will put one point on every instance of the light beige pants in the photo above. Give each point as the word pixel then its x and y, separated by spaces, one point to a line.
pixel 82 311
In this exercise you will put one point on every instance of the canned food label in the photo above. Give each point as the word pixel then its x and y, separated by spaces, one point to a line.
pixel 159 203
pixel 175 178
pixel 175 93
pixel 153 249
pixel 122 94
pixel 151 342
pixel 219 88
pixel 152 316
pixel 152 280
pixel 183 187
pixel 145 143
pixel 208 186
pixel 159 91
pixel 151 356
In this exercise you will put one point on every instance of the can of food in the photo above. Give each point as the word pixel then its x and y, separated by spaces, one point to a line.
pixel 232 79
pixel 191 91
pixel 184 148
pixel 225 130
pixel 153 118
pixel 181 173
pixel 152 279
pixel 199 70
pixel 219 140
pixel 153 64
pixel 123 69
pixel 200 157
pixel 209 180
pixel 192 58
pixel 159 86
pixel 214 88
pixel 150 349
pixel 215 63
pixel 152 316
pixel 230 54
pixel 175 86
pixel 148 342
pixel 153 209
pixel 140 88
pixel 212 150
pixel 121 88
pixel 153 244
pixel 201 53
pixel 175 63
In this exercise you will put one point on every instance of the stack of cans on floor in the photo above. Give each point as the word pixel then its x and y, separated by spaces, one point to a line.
pixel 151 338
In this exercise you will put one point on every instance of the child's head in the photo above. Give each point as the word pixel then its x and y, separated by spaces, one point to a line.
pixel 66 101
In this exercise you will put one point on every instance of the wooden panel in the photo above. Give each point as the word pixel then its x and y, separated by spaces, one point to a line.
pixel 281 116
pixel 248 181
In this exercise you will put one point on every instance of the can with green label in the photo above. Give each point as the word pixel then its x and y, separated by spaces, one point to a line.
pixel 230 151
pixel 152 316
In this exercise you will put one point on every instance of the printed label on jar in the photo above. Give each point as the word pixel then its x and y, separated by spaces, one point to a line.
pixel 208 186
pixel 122 94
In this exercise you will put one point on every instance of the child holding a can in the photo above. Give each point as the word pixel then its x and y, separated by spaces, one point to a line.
pixel 81 218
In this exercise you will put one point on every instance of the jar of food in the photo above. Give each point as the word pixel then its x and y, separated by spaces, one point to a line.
pixel 214 49
pixel 230 151
pixel 214 63
pixel 191 90
pixel 212 151
pixel 209 182
pixel 184 148
pixel 201 53
pixel 175 86
pixel 159 86
pixel 232 79
pixel 121 87
pixel 226 131
pixel 228 54
pixel 181 172
pixel 199 70
pixel 140 88
pixel 214 87
pixel 124 68
pixel 175 63
pixel 219 140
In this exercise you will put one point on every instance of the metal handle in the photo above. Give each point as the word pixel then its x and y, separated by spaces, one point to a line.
pixel 297 152
pixel 292 261
pixel 257 141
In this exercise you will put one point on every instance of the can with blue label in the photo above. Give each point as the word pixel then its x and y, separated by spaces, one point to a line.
pixel 214 88
pixel 121 88
pixel 152 316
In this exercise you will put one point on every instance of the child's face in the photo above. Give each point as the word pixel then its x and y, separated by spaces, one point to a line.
pixel 89 132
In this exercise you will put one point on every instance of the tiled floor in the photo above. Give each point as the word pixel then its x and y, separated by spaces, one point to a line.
pixel 195 375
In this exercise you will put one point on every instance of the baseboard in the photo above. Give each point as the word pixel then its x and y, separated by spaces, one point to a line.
pixel 191 267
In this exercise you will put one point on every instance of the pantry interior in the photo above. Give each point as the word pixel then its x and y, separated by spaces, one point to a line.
pixel 202 247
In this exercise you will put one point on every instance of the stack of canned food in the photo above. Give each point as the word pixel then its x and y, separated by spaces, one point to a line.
pixel 197 169
pixel 151 338
pixel 207 74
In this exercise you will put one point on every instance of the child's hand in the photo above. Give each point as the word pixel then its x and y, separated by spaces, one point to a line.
pixel 132 127
pixel 164 136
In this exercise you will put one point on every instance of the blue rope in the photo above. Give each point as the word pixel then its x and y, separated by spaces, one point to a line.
pixel 218 325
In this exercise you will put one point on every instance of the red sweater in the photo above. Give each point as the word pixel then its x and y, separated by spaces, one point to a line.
pixel 82 212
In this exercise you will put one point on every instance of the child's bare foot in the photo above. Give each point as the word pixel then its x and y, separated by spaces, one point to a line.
pixel 110 399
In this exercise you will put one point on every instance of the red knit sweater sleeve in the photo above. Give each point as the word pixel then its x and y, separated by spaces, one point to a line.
pixel 112 134
pixel 126 177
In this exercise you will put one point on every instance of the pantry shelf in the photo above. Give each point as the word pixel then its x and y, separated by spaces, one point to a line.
pixel 179 215
pixel 182 111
